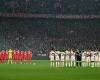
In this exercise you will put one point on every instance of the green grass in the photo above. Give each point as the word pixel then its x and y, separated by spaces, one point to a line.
pixel 42 71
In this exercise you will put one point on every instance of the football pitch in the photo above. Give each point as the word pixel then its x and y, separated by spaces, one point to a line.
pixel 40 70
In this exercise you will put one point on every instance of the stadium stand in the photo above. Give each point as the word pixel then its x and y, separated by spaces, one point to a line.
pixel 40 25
pixel 51 6
pixel 44 34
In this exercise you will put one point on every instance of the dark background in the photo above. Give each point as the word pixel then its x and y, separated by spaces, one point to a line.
pixel 40 35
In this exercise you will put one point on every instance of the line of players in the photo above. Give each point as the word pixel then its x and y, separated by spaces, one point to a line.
pixel 69 58
pixel 15 57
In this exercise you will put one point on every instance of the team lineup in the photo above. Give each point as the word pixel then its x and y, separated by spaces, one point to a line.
pixel 68 58
pixel 15 57
pixel 71 58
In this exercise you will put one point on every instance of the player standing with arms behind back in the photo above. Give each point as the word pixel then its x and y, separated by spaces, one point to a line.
pixel 62 59
pixel 9 56
pixel 51 56
pixel 57 59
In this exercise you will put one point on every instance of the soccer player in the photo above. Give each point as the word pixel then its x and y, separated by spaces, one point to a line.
pixel 3 56
pixel 99 57
pixel 57 59
pixel 72 57
pixel 29 55
pixel 51 57
pixel 9 56
pixel 92 59
pixel 14 57
pixel 62 59
pixel 67 58
pixel 25 57
pixel 20 57
pixel 17 56
pixel 88 58
pixel 6 56
pixel 84 59
pixel 0 57
pixel 96 58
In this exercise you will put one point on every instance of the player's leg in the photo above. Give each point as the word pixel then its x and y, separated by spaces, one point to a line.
pixel 99 61
pixel 96 62
pixel 74 63
pixel 51 63
pixel 0 60
pixel 71 63
pixel 63 63
pixel 6 60
pixel 57 63
pixel 67 63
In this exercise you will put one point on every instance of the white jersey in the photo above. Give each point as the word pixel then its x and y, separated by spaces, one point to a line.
pixel 88 56
pixel 67 58
pixel 92 56
pixel 72 56
pixel 51 56
pixel 96 56
pixel 84 56
pixel 99 55
pixel 62 56
pixel 57 56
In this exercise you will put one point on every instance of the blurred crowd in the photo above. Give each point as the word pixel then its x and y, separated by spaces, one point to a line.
pixel 51 6
pixel 41 35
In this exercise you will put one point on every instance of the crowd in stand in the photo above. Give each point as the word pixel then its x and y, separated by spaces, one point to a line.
pixel 51 6
pixel 40 35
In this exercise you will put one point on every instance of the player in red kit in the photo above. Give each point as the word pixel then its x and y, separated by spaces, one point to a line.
pixel 20 57
pixel 6 57
pixel 2 56
pixel 25 57
pixel 14 56
pixel 29 56
pixel 17 56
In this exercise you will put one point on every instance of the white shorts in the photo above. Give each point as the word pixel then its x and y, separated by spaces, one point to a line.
pixel 92 58
pixel 67 58
pixel 57 59
pixel 52 59
pixel 87 58
pixel 83 59
pixel 72 58
pixel 62 59
pixel 99 59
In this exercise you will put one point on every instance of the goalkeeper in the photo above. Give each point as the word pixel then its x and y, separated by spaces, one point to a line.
pixel 9 56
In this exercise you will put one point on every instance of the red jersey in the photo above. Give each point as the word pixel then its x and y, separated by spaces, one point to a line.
pixel 17 54
pixel 6 55
pixel 28 54
pixel 25 55
pixel 2 55
pixel 21 55
pixel 14 55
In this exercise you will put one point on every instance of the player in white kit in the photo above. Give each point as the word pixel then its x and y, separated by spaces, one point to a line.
pixel 99 58
pixel 51 56
pixel 88 58
pixel 92 59
pixel 67 58
pixel 72 59
pixel 57 59
pixel 62 59
pixel 84 59
pixel 96 58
